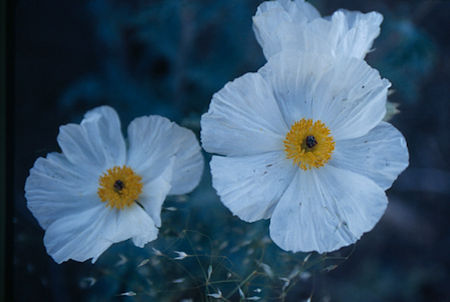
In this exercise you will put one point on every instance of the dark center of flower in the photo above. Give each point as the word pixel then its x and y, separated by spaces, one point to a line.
pixel 310 141
pixel 119 185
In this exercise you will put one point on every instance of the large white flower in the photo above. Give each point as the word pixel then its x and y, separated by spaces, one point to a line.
pixel 98 191
pixel 297 25
pixel 303 143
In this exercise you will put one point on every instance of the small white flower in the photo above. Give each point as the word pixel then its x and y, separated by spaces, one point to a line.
pixel 98 191
pixel 297 25
pixel 303 143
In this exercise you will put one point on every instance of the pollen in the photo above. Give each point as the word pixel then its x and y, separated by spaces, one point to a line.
pixel 309 144
pixel 119 187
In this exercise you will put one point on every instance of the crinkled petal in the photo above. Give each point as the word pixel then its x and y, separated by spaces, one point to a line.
pixel 77 236
pixel 325 209
pixel 360 30
pixel 346 94
pixel 277 24
pixel 144 228
pixel 287 25
pixel 154 193
pixel 250 186
pixel 96 144
pixel 293 78
pixel 381 154
pixel 57 187
pixel 243 119
pixel 345 34
pixel 87 234
pixel 189 164
pixel 155 142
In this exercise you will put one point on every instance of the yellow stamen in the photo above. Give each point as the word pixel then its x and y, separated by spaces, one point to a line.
pixel 309 144
pixel 119 187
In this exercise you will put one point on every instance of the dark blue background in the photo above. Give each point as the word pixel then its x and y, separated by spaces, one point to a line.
pixel 168 58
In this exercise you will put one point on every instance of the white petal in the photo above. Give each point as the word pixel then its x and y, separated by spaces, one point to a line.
pixel 188 166
pixel 277 24
pixel 87 234
pixel 346 94
pixel 154 193
pixel 325 209
pixel 360 30
pixel 56 188
pixel 293 77
pixel 299 9
pixel 243 119
pixel 96 144
pixel 287 25
pixel 167 157
pixel 353 99
pixel 155 142
pixel 144 229
pixel 77 236
pixel 345 34
pixel 381 154
pixel 251 186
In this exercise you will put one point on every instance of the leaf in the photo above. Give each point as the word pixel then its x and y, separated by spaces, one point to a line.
pixel 143 262
pixel 129 294
pixel 223 245
pixel 87 282
pixel 241 293
pixel 267 269
pixel 294 273
pixel 172 209
pixel 305 275
pixel 391 110
pixel 209 271
pixel 217 295
pixel 157 252
pixel 181 255
pixel 330 268
pixel 307 258
pixel 122 260
pixel 179 280
pixel 286 283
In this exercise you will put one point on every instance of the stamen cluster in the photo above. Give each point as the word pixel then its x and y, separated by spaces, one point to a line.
pixel 119 187
pixel 309 144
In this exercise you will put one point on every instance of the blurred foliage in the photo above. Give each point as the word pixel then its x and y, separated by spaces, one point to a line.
pixel 405 54
pixel 161 57
pixel 168 58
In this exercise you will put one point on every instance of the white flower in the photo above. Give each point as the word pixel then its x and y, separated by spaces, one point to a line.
pixel 297 25
pixel 303 143
pixel 98 191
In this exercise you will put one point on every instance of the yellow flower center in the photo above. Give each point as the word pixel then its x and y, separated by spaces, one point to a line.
pixel 309 144
pixel 119 187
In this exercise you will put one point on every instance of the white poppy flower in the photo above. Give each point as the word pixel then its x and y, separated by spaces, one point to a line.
pixel 303 143
pixel 297 25
pixel 98 192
